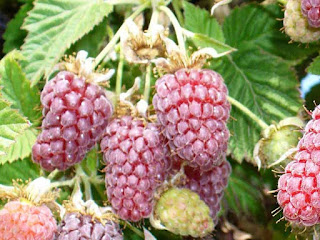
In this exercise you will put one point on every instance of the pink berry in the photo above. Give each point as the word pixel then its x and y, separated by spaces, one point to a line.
pixel 299 186
pixel 192 109
pixel 137 164
pixel 311 10
pixel 76 226
pixel 22 221
pixel 75 115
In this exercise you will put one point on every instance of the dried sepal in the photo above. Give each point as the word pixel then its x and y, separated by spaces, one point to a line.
pixel 278 142
pixel 88 208
pixel 142 47
pixel 177 59
pixel 36 192
pixel 84 66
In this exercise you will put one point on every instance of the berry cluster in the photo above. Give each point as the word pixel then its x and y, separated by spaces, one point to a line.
pixel 299 186
pixel 75 115
pixel 191 132
pixel 192 111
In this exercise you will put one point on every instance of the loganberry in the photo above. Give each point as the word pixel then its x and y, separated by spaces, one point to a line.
pixel 209 185
pixel 137 163
pixel 182 212
pixel 192 109
pixel 299 186
pixel 23 221
pixel 311 10
pixel 76 226
pixel 296 25
pixel 75 115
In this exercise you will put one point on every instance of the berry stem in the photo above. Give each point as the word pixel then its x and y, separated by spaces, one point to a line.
pixel 132 228
pixel 176 8
pixel 53 174
pixel 176 26
pixel 85 180
pixel 147 85
pixel 68 183
pixel 247 111
pixel 119 73
pixel 116 37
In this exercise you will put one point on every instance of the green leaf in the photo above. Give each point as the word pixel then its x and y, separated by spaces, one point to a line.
pixel 17 89
pixel 14 35
pixel 201 40
pixel 266 86
pixel 260 81
pixel 93 41
pixel 243 193
pixel 23 169
pixel 314 67
pixel 12 124
pixel 208 32
pixel 21 148
pixel 199 21
pixel 53 25
pixel 256 25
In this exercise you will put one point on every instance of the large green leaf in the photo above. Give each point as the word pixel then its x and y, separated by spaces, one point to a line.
pixel 12 124
pixel 54 25
pixel 257 25
pixel 17 89
pixel 93 41
pixel 199 21
pixel 257 79
pixel 23 169
pixel 266 86
pixel 14 35
pixel 21 148
pixel 208 32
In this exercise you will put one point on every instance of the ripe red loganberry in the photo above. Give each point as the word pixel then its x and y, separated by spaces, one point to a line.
pixel 75 116
pixel 192 109
pixel 82 227
pixel 299 186
pixel 137 163
pixel 19 220
pixel 311 10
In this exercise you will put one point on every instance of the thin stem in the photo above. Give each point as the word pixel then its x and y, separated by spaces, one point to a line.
pixel 134 229
pixel 87 188
pixel 85 180
pixel 119 73
pixel 118 2
pixel 116 37
pixel 176 8
pixel 53 174
pixel 247 111
pixel 176 26
pixel 147 85
pixel 68 183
